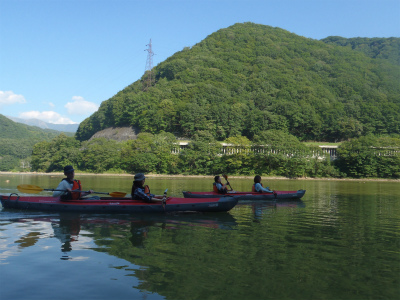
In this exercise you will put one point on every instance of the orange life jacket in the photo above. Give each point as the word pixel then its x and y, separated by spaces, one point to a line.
pixel 215 189
pixel 254 188
pixel 76 185
pixel 146 190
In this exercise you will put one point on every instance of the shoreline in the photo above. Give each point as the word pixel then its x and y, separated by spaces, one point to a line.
pixel 202 176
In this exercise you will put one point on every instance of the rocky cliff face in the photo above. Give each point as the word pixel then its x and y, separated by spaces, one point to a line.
pixel 117 133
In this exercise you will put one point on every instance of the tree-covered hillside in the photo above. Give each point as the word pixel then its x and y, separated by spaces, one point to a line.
pixel 381 48
pixel 249 78
pixel 17 142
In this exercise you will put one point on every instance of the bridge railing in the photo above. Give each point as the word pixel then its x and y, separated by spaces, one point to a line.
pixel 227 149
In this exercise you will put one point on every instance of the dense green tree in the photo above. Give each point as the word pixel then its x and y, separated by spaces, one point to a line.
pixel 8 163
pixel 55 154
pixel 280 153
pixel 239 156
pixel 150 154
pixel 370 156
pixel 201 155
pixel 99 155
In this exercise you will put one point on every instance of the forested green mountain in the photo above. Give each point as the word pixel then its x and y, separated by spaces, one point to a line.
pixel 249 78
pixel 17 141
pixel 381 48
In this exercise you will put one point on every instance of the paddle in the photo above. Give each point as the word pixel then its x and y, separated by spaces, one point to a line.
pixel 227 182
pixel 33 189
pixel 164 199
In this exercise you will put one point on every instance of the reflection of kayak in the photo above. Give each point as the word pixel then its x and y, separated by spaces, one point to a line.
pixel 118 205
pixel 222 220
pixel 276 195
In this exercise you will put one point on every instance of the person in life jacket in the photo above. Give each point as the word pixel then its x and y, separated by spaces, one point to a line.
pixel 68 185
pixel 258 187
pixel 218 186
pixel 141 191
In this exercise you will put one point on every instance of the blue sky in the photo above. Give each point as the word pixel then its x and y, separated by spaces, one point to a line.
pixel 59 59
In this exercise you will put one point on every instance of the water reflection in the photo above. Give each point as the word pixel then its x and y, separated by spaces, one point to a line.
pixel 260 208
pixel 67 230
pixel 339 242
pixel 66 227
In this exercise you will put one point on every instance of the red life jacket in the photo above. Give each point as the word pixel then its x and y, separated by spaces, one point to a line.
pixel 254 188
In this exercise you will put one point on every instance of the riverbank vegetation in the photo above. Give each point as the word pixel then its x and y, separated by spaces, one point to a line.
pixel 271 153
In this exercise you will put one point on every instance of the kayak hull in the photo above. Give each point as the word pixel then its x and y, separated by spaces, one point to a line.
pixel 118 205
pixel 277 195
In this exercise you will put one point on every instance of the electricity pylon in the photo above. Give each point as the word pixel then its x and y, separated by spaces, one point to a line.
pixel 149 67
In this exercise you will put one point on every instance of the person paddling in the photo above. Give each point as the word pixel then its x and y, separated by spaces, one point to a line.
pixel 68 185
pixel 141 191
pixel 258 187
pixel 218 186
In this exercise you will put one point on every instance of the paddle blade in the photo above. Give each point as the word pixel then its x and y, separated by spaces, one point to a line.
pixel 117 194
pixel 29 189
pixel 225 176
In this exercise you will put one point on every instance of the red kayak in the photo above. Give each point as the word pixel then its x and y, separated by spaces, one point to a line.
pixel 276 195
pixel 118 205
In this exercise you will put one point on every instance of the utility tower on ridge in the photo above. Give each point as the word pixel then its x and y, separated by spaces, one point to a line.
pixel 149 67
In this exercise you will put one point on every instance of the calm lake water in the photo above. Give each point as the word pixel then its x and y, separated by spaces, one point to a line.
pixel 342 241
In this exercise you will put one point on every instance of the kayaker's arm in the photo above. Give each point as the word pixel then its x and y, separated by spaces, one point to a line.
pixel 140 194
pixel 221 187
pixel 259 188
pixel 63 188
pixel 157 198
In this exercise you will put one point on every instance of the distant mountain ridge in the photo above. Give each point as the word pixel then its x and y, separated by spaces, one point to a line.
pixel 44 125
pixel 14 130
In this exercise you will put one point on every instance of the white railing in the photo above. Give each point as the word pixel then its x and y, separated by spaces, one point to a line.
pixel 227 149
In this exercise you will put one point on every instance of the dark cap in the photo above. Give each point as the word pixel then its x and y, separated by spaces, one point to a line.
pixel 68 169
pixel 139 177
